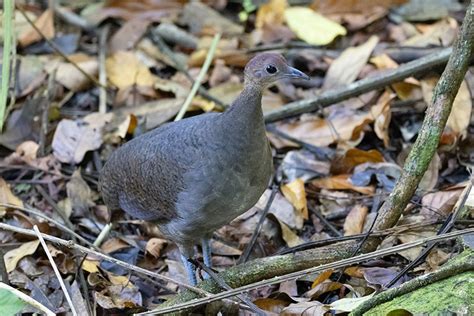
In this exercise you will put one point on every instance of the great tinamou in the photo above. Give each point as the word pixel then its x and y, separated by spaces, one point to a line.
pixel 193 176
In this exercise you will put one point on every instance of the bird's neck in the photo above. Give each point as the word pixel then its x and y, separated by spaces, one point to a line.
pixel 246 110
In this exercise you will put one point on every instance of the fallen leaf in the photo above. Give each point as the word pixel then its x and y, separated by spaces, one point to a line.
pixel 426 10
pixel 354 157
pixel 322 288
pixel 313 308
pixel 341 182
pixel 354 223
pixel 289 236
pixel 439 204
pixel 7 196
pixel 296 194
pixel 80 194
pixel 13 256
pixel 154 246
pixel 440 33
pixel 128 35
pixel 382 122
pixel 124 70
pixel 350 6
pixel 91 266
pixel 44 23
pixel 323 276
pixel 70 77
pixel 323 30
pixel 348 65
pixel 271 13
pixel 301 164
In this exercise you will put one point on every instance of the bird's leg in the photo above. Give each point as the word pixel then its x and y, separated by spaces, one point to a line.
pixel 186 253
pixel 206 254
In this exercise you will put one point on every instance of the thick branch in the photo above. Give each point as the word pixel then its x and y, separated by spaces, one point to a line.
pixel 359 87
pixel 430 133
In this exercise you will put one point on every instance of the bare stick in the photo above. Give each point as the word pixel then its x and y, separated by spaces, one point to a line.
pixel 102 69
pixel 359 87
pixel 72 245
pixel 290 276
pixel 55 269
pixel 202 73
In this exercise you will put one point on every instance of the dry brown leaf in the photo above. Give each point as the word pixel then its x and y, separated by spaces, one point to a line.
pixel 341 182
pixel 348 65
pixel 44 23
pixel 382 121
pixel 383 61
pixel 440 33
pixel 323 276
pixel 289 236
pixel 80 194
pixel 128 35
pixel 354 157
pixel 70 77
pixel 354 223
pixel 7 196
pixel 125 70
pixel 271 13
pixel 439 204
pixel 13 256
pixel 272 305
pixel 313 308
pixel 154 246
pixel 296 194
pixel 350 6
pixel 113 244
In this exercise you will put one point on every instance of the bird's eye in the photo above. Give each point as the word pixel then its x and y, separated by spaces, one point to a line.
pixel 271 69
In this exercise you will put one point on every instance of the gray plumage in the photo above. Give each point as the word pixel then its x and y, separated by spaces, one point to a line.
pixel 193 176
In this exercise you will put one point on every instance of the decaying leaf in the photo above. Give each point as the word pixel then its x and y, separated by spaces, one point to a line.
pixel 354 157
pixel 154 246
pixel 70 77
pixel 355 220
pixel 341 182
pixel 305 309
pixel 79 193
pixel 295 193
pixel 7 196
pixel 45 23
pixel 323 30
pixel 347 66
pixel 13 256
pixel 124 70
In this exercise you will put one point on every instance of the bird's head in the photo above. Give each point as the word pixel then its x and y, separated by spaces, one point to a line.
pixel 264 69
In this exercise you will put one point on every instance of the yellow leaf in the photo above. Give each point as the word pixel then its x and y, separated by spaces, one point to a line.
pixel 90 266
pixel 312 27
pixel 13 256
pixel 291 239
pixel 296 194
pixel 125 70
pixel 6 196
pixel 271 13
pixel 354 223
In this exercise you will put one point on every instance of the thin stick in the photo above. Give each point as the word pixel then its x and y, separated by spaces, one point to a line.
pixel 7 49
pixel 58 50
pixel 55 269
pixel 295 275
pixel 72 245
pixel 202 73
pixel 27 299
pixel 102 69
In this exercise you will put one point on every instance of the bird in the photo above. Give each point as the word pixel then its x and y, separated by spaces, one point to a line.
pixel 193 176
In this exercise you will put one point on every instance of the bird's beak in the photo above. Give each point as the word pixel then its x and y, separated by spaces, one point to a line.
pixel 296 74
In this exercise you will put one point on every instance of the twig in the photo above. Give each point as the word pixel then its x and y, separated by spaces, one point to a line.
pixel 248 249
pixel 295 275
pixel 58 50
pixel 361 86
pixel 102 69
pixel 325 221
pixel 49 219
pixel 55 269
pixel 430 132
pixel 73 19
pixel 226 286
pixel 72 245
pixel 6 58
pixel 200 77
pixel 27 299
pixel 103 234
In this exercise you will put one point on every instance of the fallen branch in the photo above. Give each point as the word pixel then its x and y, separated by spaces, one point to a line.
pixel 359 87
pixel 429 135
pixel 297 265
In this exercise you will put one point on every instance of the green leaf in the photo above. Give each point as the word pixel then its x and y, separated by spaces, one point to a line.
pixel 10 303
